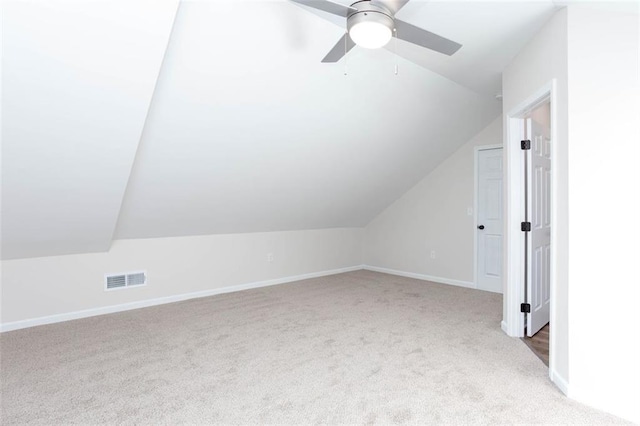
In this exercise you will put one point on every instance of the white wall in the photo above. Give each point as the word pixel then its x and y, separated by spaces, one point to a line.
pixel 592 53
pixel 41 287
pixel 604 206
pixel 433 216
pixel 544 59
pixel 275 140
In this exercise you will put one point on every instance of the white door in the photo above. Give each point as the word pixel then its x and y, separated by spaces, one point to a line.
pixel 539 214
pixel 489 220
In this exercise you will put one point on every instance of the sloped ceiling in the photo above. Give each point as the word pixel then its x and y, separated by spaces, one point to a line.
pixel 77 80
pixel 491 33
pixel 246 131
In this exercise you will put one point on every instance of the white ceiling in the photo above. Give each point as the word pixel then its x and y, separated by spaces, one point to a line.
pixel 491 34
pixel 246 130
pixel 77 80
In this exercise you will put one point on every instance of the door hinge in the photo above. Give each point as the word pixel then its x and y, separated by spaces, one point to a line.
pixel 525 226
pixel 525 307
pixel 525 144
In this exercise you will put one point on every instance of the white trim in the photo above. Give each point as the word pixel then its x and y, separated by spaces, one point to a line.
pixel 16 325
pixel 609 403
pixel 514 241
pixel 553 281
pixel 476 153
pixel 539 97
pixel 467 284
pixel 504 326
pixel 559 381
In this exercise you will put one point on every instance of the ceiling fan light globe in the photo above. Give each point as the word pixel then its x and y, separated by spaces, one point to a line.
pixel 370 35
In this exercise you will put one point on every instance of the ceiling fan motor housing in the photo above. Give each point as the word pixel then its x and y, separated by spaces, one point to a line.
pixel 369 16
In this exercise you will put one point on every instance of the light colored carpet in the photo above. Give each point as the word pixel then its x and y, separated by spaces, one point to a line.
pixel 360 347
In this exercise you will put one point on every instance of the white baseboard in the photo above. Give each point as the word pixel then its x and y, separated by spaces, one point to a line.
pixel 504 327
pixel 613 400
pixel 51 319
pixel 467 284
pixel 559 381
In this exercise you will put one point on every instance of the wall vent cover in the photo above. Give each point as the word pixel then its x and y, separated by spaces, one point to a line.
pixel 129 279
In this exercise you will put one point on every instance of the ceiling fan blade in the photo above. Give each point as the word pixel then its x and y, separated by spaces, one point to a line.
pixel 339 50
pixel 392 6
pixel 424 38
pixel 328 6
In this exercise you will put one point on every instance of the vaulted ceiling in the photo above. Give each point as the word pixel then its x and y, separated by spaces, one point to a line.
pixel 131 119
pixel 77 82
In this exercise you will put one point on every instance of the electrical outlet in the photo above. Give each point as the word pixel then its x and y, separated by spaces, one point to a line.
pixel 269 257
pixel 433 254
pixel 469 211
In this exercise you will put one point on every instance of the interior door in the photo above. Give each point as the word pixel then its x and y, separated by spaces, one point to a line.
pixel 489 220
pixel 539 214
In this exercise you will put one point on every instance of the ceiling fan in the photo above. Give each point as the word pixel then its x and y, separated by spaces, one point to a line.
pixel 372 23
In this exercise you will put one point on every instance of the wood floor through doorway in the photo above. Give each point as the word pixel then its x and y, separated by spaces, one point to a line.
pixel 539 344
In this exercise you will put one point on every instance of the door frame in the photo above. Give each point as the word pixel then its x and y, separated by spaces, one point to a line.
pixel 513 320
pixel 476 153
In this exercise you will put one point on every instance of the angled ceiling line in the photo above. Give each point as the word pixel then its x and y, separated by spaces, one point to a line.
pixel 146 119
pixel 80 77
pixel 430 172
pixel 336 20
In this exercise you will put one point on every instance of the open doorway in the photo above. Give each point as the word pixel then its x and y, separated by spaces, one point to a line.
pixel 536 153
pixel 531 209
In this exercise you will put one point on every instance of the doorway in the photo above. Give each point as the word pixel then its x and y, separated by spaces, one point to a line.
pixel 536 153
pixel 523 296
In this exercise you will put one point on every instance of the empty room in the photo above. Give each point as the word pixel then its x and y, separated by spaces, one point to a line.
pixel 319 212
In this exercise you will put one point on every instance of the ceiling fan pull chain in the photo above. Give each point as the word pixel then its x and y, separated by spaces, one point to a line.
pixel 346 34
pixel 395 48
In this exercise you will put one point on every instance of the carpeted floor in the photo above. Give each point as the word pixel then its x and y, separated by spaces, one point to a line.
pixel 356 348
